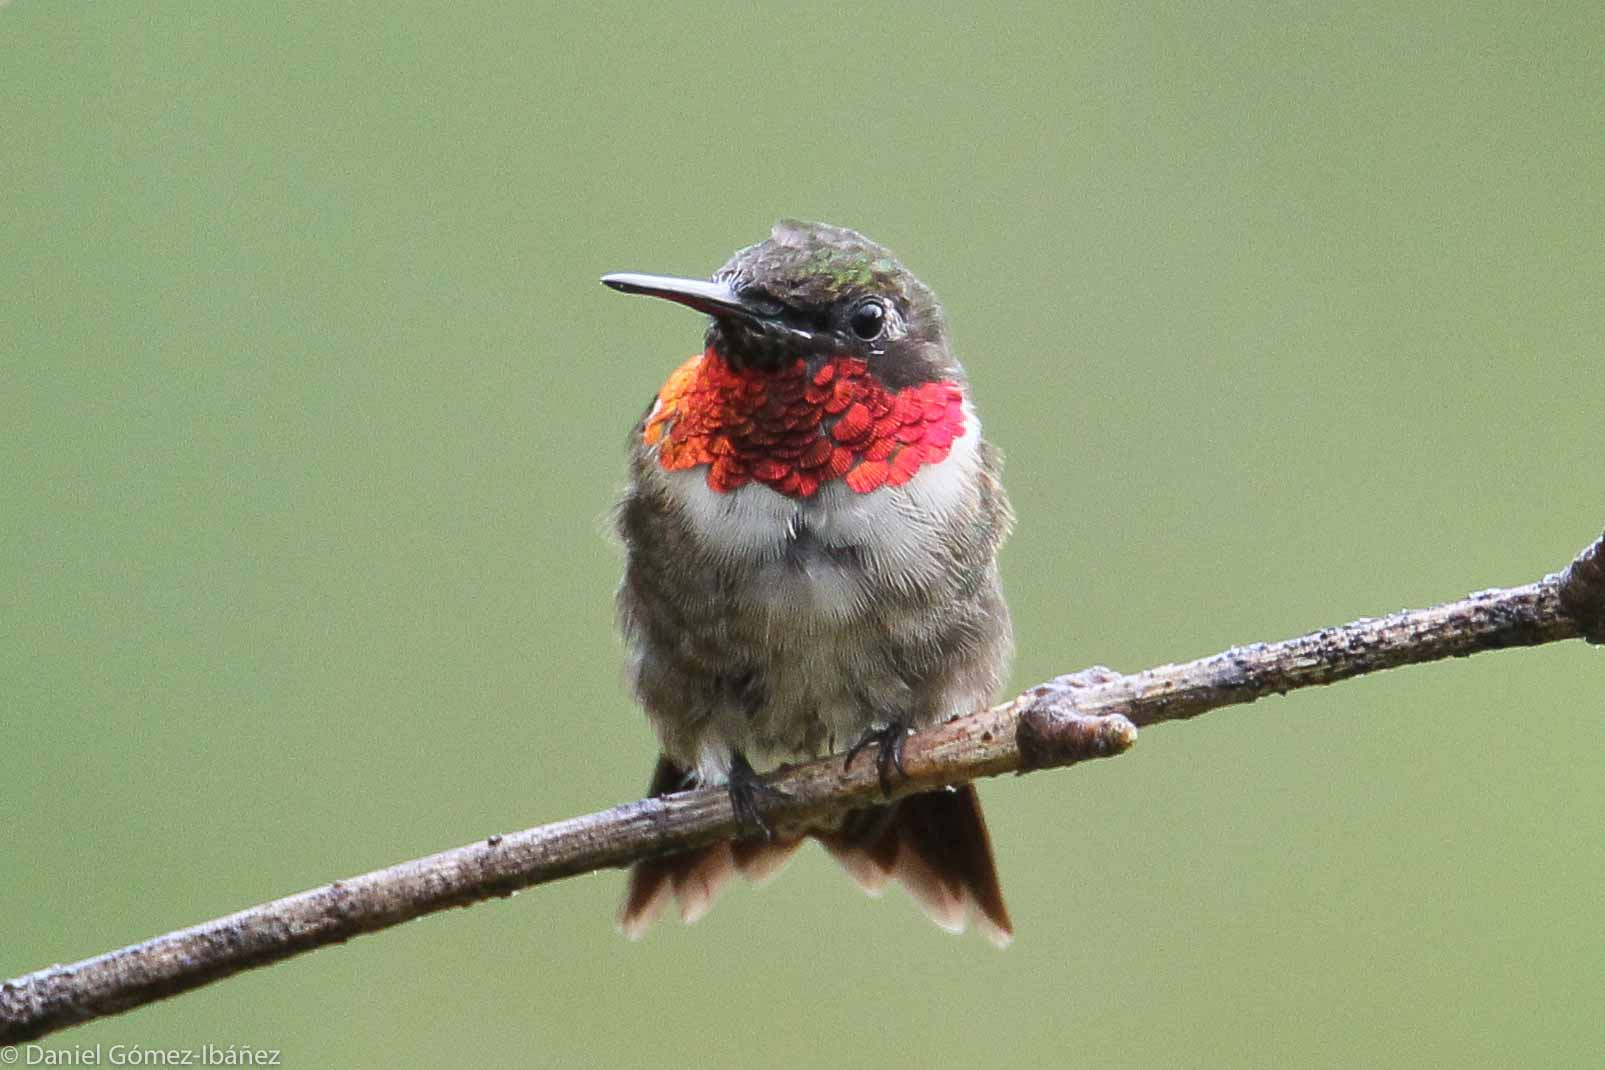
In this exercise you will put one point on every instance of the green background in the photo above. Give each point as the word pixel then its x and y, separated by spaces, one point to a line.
pixel 311 411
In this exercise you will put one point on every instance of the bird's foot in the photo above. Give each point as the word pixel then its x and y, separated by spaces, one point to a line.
pixel 889 741
pixel 749 793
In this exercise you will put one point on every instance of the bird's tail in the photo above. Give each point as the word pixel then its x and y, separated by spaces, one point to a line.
pixel 934 844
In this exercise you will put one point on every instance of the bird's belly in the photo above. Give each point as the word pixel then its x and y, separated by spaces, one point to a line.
pixel 832 604
pixel 820 692
pixel 810 586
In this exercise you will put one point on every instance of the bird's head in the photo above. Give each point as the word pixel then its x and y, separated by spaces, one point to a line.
pixel 826 360
pixel 815 291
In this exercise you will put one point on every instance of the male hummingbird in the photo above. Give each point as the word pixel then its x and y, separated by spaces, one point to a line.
pixel 811 531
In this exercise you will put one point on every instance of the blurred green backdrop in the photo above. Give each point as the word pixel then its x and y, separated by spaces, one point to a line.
pixel 311 409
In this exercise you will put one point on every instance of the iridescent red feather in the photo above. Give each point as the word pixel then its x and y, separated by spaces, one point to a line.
pixel 794 432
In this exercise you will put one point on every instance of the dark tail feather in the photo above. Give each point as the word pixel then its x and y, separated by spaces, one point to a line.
pixel 936 845
pixel 758 860
pixel 694 877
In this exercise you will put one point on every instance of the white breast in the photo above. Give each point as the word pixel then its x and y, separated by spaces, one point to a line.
pixel 891 529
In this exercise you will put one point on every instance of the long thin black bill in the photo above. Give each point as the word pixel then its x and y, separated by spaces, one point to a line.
pixel 713 298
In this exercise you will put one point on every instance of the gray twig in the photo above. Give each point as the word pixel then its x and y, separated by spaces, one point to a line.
pixel 1089 715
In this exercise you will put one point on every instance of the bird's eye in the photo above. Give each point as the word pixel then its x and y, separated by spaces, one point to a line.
pixel 868 319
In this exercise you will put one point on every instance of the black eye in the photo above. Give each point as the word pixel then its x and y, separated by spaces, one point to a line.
pixel 868 319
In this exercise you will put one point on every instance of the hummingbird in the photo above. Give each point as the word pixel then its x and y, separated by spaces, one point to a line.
pixel 811 529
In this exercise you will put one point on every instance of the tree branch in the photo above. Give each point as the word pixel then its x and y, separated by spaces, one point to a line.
pixel 1071 719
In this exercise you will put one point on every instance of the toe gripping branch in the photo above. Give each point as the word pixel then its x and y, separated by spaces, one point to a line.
pixel 889 742
pixel 749 794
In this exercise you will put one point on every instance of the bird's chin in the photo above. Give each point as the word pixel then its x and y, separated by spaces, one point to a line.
pixel 761 346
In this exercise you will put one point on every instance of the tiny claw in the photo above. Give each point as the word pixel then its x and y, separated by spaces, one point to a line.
pixel 852 752
pixel 891 756
pixel 746 789
pixel 889 742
